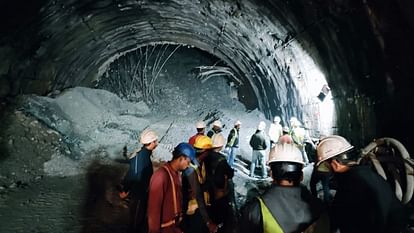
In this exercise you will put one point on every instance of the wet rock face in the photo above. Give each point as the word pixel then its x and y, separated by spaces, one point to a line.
pixel 65 44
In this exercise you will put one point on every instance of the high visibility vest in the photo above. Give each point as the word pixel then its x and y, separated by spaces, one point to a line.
pixel 270 225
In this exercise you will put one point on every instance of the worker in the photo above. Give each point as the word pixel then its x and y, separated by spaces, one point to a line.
pixel 364 201
pixel 219 175
pixel 165 196
pixel 275 131
pixel 196 191
pixel 201 128
pixel 136 182
pixel 259 146
pixel 232 145
pixel 298 135
pixel 287 206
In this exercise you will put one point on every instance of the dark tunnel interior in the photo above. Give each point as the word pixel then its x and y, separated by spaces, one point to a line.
pixel 80 79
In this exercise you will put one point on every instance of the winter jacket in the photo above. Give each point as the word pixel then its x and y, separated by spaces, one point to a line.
pixel 258 141
pixel 139 174
pixel 364 202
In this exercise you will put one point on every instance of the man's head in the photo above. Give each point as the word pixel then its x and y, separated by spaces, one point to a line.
pixel 286 163
pixel 261 126
pixel 276 120
pixel 200 126
pixel 183 153
pixel 336 151
pixel 285 130
pixel 294 122
pixel 149 139
pixel 237 124
pixel 217 125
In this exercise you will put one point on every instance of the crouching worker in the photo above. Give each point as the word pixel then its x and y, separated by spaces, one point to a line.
pixel 287 206
pixel 165 197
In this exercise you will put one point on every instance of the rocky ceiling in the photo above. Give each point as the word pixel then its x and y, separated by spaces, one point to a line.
pixel 363 48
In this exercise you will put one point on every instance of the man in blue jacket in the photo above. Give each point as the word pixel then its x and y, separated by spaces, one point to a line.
pixel 136 181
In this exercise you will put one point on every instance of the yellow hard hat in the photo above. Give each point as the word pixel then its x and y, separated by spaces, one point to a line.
pixel 203 142
pixel 332 146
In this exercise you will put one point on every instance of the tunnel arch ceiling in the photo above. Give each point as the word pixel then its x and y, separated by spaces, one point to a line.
pixel 262 41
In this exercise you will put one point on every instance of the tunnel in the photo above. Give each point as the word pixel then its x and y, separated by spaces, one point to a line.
pixel 79 80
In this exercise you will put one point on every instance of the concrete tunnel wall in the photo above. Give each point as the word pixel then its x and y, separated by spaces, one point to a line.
pixel 52 45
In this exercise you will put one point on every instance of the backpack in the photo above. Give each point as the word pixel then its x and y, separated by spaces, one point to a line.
pixel 390 159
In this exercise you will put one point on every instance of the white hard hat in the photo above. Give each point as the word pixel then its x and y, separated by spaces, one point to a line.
pixel 285 153
pixel 218 140
pixel 148 136
pixel 237 122
pixel 332 146
pixel 261 126
pixel 276 119
pixel 294 121
pixel 200 125
pixel 217 123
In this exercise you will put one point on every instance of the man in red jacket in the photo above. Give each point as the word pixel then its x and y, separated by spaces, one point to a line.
pixel 165 197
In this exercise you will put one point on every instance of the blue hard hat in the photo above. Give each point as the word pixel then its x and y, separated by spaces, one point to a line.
pixel 185 149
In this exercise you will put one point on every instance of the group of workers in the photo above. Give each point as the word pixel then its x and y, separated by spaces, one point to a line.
pixel 193 191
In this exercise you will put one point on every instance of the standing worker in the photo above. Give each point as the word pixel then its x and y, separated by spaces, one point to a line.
pixel 165 197
pixel 287 206
pixel 298 136
pixel 275 131
pixel 201 128
pixel 137 179
pixel 258 144
pixel 219 176
pixel 195 191
pixel 364 201
pixel 232 145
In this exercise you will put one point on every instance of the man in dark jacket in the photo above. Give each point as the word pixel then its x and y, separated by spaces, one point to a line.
pixel 364 201
pixel 137 179
pixel 219 178
pixel 258 144
pixel 287 206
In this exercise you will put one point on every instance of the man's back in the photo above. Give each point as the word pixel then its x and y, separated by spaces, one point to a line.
pixel 364 202
pixel 293 208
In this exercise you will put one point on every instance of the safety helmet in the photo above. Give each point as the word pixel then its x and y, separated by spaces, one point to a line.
pixel 218 140
pixel 285 153
pixel 237 123
pixel 294 121
pixel 285 129
pixel 148 136
pixel 276 119
pixel 261 126
pixel 203 142
pixel 332 146
pixel 185 149
pixel 200 125
pixel 217 123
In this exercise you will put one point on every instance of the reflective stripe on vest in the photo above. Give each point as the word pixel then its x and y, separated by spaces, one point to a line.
pixel 270 225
